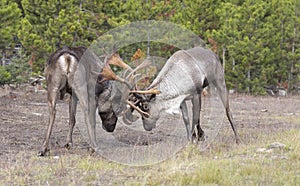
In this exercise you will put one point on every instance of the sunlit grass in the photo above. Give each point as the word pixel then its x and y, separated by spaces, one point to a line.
pixel 240 165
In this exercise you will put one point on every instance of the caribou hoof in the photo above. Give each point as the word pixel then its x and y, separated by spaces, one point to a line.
pixel 43 152
pixel 202 137
pixel 68 145
pixel 196 138
pixel 91 150
pixel 238 140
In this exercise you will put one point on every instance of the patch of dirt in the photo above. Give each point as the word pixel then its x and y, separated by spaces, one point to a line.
pixel 24 117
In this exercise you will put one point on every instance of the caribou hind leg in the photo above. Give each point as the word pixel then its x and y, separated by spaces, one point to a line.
pixel 222 91
pixel 196 119
pixel 72 120
pixel 52 98
pixel 185 116
pixel 233 126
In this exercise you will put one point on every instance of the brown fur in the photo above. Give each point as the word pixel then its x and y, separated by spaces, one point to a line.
pixel 61 79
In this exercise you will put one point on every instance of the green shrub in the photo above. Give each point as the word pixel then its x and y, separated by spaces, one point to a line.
pixel 5 76
pixel 17 72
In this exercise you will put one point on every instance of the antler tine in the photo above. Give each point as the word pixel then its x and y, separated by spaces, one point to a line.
pixel 114 58
pixel 137 109
pixel 133 77
pixel 142 65
pixel 108 74
pixel 143 77
pixel 117 61
pixel 151 91
pixel 125 72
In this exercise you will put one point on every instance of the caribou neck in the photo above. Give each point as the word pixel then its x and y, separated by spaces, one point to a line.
pixel 181 75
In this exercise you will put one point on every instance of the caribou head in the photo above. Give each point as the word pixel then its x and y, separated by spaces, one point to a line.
pixel 139 100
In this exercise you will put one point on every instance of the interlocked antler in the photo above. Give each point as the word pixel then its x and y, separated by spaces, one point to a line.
pixel 108 74
pixel 129 80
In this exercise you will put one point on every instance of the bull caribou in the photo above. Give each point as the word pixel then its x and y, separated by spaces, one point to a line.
pixel 70 70
pixel 182 78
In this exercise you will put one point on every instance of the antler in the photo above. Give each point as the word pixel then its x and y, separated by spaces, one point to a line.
pixel 137 109
pixel 151 91
pixel 130 79
pixel 108 74
pixel 117 61
pixel 142 65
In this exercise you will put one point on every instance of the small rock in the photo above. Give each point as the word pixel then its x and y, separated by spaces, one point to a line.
pixel 269 151
pixel 36 114
pixel 282 92
pixel 274 157
pixel 289 114
pixel 277 145
pixel 264 150
pixel 284 157
pixel 264 110
pixel 261 150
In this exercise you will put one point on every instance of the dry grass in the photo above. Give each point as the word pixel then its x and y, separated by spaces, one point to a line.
pixel 220 165
pixel 224 163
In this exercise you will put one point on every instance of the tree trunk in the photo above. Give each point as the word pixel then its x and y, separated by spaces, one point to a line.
pixel 290 83
pixel 249 78
pixel 3 57
pixel 223 56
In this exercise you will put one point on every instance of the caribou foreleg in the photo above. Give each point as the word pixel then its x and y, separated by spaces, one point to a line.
pixel 85 93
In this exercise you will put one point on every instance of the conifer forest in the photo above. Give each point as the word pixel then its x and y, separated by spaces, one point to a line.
pixel 258 41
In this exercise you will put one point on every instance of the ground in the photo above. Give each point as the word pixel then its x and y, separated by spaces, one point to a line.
pixel 260 122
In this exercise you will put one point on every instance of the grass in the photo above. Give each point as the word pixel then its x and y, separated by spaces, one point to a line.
pixel 220 165
pixel 223 163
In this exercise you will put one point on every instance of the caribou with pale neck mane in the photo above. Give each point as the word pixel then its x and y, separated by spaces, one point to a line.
pixel 182 78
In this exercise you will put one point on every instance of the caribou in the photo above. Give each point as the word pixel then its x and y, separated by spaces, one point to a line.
pixel 183 77
pixel 70 70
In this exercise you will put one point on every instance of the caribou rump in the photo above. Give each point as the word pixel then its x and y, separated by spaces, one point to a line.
pixel 182 78
pixel 70 70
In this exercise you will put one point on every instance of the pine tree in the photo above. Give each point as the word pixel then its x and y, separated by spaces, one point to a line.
pixel 9 17
pixel 258 41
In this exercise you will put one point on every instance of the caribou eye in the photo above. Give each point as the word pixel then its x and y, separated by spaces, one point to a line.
pixel 145 107
pixel 134 99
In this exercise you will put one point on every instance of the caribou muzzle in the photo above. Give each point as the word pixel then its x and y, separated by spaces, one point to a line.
pixel 109 121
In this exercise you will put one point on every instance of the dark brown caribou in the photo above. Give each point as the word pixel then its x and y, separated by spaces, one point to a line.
pixel 70 70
